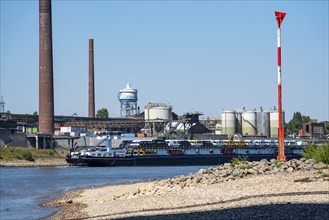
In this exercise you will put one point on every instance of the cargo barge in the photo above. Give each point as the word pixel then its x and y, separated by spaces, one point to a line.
pixel 167 160
pixel 181 153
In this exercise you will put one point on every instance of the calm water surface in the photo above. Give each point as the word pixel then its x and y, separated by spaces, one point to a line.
pixel 22 190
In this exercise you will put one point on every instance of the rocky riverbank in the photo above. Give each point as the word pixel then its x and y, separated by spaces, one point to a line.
pixel 42 162
pixel 240 190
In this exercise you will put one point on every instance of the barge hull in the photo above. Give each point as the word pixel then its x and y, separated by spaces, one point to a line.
pixel 194 160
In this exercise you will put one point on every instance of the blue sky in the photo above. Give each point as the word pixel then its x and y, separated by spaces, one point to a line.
pixel 202 56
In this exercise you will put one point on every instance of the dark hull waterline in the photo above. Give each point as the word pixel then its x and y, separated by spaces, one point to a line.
pixel 190 160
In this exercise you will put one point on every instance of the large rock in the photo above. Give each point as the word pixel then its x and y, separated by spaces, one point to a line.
pixel 320 166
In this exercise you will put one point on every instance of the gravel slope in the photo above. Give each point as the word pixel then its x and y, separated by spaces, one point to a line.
pixel 282 195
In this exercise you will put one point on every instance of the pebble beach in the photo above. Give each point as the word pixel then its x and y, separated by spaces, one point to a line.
pixel 296 189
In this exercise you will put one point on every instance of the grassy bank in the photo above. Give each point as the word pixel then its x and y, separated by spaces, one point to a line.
pixel 30 154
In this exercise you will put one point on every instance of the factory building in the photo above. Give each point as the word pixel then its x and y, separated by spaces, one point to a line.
pixel 187 126
pixel 262 123
pixel 313 129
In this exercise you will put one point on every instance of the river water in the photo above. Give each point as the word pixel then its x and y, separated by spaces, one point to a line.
pixel 22 190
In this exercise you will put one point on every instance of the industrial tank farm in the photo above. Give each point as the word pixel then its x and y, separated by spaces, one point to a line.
pixel 263 123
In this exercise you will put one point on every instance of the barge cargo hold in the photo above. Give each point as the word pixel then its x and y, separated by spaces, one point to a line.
pixel 159 153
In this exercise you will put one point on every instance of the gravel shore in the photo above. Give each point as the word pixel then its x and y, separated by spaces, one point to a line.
pixel 290 194
pixel 44 162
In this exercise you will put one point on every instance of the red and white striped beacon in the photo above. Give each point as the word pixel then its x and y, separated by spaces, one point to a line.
pixel 281 156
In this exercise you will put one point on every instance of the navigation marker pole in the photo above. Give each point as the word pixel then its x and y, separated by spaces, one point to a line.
pixel 279 18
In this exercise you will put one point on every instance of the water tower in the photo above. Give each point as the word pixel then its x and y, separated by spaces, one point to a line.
pixel 128 100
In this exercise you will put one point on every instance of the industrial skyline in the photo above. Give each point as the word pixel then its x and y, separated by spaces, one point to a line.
pixel 195 56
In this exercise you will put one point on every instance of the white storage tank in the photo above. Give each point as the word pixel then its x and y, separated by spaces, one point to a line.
pixel 263 123
pixel 156 111
pixel 238 116
pixel 249 126
pixel 274 123
pixel 229 122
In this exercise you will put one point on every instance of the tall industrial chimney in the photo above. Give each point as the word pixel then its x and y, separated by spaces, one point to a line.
pixel 91 104
pixel 46 90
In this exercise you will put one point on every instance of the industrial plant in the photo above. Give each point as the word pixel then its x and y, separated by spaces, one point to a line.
pixel 156 120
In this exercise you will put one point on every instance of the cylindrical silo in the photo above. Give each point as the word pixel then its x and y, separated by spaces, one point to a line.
pixel 229 122
pixel 263 123
pixel 274 123
pixel 158 111
pixel 238 116
pixel 249 127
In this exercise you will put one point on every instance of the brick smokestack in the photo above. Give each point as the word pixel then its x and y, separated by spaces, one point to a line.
pixel 91 102
pixel 46 90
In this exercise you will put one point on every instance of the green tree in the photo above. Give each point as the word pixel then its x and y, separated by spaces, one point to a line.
pixel 102 113
pixel 296 123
